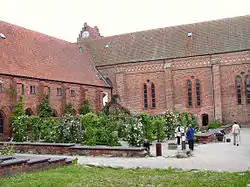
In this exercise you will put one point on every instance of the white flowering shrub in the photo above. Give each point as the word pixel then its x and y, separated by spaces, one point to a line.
pixel 171 121
pixel 134 130
pixel 19 127
pixel 70 129
pixel 50 130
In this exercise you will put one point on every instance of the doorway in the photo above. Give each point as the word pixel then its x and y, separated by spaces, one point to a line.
pixel 204 120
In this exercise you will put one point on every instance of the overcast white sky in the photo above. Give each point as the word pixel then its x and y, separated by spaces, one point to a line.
pixel 65 18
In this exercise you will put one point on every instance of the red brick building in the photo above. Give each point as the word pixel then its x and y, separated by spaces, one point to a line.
pixel 202 68
pixel 32 64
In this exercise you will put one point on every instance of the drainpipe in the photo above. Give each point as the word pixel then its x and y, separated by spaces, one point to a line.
pixel 213 95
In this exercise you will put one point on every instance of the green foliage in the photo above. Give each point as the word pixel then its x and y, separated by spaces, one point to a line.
pixel 86 108
pixel 171 121
pixel 44 109
pixel 134 130
pixel 18 109
pixel 69 109
pixel 34 125
pixel 159 128
pixel 19 126
pixel 147 126
pixel 70 129
pixel 214 124
pixel 99 131
pixel 185 119
pixel 50 130
pixel 7 149
pixel 89 119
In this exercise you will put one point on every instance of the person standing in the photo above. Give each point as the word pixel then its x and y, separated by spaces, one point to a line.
pixel 183 140
pixel 190 137
pixel 236 133
pixel 178 134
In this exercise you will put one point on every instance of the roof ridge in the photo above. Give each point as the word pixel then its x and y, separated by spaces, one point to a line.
pixel 172 26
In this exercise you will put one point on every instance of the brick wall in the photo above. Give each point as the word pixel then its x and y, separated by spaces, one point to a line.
pixel 218 100
pixel 8 100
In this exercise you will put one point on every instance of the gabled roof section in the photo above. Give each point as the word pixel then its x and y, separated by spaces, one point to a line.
pixel 218 36
pixel 28 53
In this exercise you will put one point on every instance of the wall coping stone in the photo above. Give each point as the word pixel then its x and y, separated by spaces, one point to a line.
pixel 41 144
pixel 5 157
pixel 123 148
pixel 52 160
pixel 13 162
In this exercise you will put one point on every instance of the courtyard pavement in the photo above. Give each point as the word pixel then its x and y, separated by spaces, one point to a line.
pixel 214 156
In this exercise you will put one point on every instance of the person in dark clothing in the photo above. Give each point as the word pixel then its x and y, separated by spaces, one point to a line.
pixel 146 145
pixel 190 137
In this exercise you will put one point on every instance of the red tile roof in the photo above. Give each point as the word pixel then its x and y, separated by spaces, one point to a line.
pixel 28 53
pixel 218 36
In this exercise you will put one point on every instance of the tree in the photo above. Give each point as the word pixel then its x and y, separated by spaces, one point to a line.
pixel 85 107
pixel 44 109
pixel 159 128
pixel 18 109
pixel 69 109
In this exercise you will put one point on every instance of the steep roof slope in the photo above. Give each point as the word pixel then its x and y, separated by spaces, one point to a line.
pixel 28 53
pixel 218 36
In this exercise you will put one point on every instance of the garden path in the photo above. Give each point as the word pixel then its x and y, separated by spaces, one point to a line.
pixel 214 156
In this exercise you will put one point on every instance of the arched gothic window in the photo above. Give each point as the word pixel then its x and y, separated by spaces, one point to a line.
pixel 198 93
pixel 238 89
pixel 145 95
pixel 189 91
pixel 248 89
pixel 153 95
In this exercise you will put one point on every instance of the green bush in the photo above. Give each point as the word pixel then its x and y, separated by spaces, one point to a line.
pixel 134 130
pixel 34 125
pixel 44 109
pixel 171 121
pixel 214 124
pixel 70 129
pixel 50 130
pixel 89 119
pixel 99 131
pixel 159 128
pixel 147 126
pixel 7 149
pixel 68 109
pixel 85 108
pixel 19 126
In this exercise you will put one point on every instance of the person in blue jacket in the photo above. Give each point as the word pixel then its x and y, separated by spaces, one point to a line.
pixel 190 137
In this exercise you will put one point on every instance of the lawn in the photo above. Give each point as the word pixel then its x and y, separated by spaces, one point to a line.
pixel 79 175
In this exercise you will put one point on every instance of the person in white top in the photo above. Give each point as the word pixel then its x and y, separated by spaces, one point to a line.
pixel 178 134
pixel 183 139
pixel 236 133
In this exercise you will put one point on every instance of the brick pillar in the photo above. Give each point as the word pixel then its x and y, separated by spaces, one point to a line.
pixel 217 92
pixel 168 86
pixel 65 96
pixel 121 89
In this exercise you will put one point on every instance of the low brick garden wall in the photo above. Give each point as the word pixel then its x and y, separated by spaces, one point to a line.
pixel 72 149
pixel 210 136
pixel 10 165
